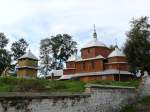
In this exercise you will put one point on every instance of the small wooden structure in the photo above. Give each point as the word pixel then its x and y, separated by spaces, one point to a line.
pixel 27 66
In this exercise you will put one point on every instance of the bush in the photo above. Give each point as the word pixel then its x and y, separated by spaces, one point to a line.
pixel 128 109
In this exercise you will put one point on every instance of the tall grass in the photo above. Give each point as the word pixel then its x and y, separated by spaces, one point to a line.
pixel 12 84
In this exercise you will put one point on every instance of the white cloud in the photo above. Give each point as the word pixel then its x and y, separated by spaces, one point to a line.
pixel 36 19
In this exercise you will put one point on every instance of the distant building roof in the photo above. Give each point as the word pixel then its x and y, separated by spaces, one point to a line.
pixel 116 53
pixel 29 55
pixel 73 58
pixel 55 73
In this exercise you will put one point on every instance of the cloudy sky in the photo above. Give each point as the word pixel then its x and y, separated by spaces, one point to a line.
pixel 37 19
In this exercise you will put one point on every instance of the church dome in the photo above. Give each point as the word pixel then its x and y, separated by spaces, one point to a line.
pixel 94 42
pixel 116 53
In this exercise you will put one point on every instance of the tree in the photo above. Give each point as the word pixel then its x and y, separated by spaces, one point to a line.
pixel 55 51
pixel 5 60
pixel 5 57
pixel 18 48
pixel 62 48
pixel 45 57
pixel 3 41
pixel 112 47
pixel 137 46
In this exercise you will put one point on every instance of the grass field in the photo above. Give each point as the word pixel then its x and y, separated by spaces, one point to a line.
pixel 13 84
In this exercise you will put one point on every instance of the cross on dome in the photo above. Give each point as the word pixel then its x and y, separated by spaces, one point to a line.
pixel 94 34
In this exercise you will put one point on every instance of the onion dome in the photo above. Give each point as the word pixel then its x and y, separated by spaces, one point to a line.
pixel 94 42
pixel 28 55
pixel 116 53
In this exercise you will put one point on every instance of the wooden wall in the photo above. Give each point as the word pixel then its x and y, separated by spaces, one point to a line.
pixel 94 51
pixel 69 71
pixel 119 66
pixel 94 78
pixel 89 66
pixel 117 59
pixel 28 62
pixel 70 64
pixel 27 73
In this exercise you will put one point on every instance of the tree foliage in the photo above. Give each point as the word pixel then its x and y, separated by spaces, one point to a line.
pixel 112 47
pixel 137 46
pixel 3 41
pixel 5 57
pixel 62 48
pixel 45 56
pixel 18 48
pixel 56 50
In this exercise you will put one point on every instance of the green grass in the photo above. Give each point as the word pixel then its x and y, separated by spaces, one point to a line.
pixel 143 104
pixel 132 83
pixel 145 101
pixel 13 84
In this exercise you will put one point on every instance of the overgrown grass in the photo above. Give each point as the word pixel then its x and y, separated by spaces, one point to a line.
pixel 13 84
pixel 132 83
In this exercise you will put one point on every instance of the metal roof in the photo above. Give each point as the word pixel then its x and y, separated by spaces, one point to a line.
pixel 94 43
pixel 29 55
pixel 115 53
pixel 115 71
pixel 99 73
pixel 55 73
pixel 97 57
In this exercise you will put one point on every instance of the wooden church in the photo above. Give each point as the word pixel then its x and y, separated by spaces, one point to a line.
pixel 27 66
pixel 97 63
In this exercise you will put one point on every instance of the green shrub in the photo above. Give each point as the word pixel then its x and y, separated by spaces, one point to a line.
pixel 145 100
pixel 128 109
pixel 133 83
